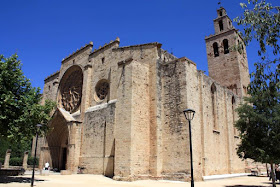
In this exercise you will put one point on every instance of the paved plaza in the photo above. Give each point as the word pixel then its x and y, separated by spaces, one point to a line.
pixel 86 180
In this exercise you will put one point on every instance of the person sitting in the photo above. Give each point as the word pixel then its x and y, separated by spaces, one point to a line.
pixel 47 165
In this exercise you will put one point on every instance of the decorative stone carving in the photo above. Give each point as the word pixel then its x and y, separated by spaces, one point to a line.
pixel 71 92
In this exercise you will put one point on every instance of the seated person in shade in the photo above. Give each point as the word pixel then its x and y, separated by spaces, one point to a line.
pixel 47 165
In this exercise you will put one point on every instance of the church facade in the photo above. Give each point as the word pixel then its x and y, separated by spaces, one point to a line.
pixel 120 110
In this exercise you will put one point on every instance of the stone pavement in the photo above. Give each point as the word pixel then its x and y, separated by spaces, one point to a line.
pixel 86 180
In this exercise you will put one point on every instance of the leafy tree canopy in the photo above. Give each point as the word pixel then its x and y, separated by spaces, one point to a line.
pixel 259 114
pixel 261 21
pixel 20 108
pixel 259 119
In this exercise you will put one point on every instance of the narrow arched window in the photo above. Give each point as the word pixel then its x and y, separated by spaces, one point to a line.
pixel 221 25
pixel 226 49
pixel 221 13
pixel 216 49
pixel 213 88
pixel 233 106
pixel 213 101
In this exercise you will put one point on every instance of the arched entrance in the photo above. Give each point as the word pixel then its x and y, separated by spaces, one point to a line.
pixel 58 142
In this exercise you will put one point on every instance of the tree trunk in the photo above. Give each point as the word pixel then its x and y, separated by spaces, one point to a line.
pixel 272 175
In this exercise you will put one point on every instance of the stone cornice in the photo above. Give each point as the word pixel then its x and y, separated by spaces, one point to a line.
pixel 225 32
pixel 140 45
pixel 182 59
pixel 52 75
pixel 221 33
pixel 186 59
pixel 105 46
pixel 78 51
pixel 221 17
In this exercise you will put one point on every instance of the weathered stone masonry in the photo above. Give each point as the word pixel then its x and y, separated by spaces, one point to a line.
pixel 119 110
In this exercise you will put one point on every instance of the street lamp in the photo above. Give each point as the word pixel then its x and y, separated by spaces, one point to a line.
pixel 189 114
pixel 34 161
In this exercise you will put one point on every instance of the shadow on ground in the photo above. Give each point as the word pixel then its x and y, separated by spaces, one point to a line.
pixel 6 179
pixel 253 185
pixel 244 186
pixel 271 182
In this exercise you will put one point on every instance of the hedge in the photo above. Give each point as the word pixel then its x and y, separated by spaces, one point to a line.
pixel 17 161
pixel 31 159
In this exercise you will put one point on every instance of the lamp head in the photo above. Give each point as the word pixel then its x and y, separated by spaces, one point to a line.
pixel 189 114
pixel 39 126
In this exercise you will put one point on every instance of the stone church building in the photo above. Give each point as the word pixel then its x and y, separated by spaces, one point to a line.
pixel 120 110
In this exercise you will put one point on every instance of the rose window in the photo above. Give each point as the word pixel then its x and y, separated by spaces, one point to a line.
pixel 71 92
pixel 102 89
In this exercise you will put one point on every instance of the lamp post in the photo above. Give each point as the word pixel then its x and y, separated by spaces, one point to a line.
pixel 189 114
pixel 34 161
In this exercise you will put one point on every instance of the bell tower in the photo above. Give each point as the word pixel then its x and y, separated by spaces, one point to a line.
pixel 226 55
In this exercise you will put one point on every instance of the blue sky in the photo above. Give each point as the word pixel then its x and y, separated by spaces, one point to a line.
pixel 43 32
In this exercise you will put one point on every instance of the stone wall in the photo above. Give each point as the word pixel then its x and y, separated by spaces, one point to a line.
pixel 51 87
pixel 218 155
pixel 133 111
pixel 175 137
pixel 138 130
pixel 213 144
pixel 97 146
pixel 156 111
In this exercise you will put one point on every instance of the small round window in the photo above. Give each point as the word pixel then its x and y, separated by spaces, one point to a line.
pixel 102 89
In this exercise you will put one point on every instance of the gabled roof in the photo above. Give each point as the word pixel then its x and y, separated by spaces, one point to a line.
pixel 66 115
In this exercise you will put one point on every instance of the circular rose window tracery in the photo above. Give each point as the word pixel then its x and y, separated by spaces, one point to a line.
pixel 71 91
pixel 102 89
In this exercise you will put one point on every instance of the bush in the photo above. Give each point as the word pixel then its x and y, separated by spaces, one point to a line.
pixel 31 160
pixel 15 161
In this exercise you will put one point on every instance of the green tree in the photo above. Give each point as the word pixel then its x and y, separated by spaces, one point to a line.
pixel 20 108
pixel 259 115
pixel 18 147
pixel 259 119
pixel 261 21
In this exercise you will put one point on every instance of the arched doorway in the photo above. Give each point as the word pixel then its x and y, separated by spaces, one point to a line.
pixel 58 142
